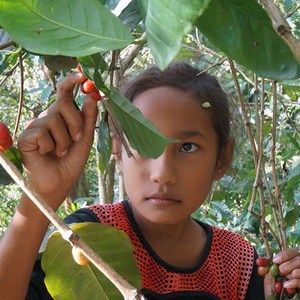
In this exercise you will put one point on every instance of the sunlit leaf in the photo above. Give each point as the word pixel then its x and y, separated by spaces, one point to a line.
pixel 67 280
pixel 167 22
pixel 64 27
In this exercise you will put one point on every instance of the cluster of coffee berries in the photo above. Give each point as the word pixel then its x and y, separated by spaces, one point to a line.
pixel 265 266
pixel 88 87
pixel 5 138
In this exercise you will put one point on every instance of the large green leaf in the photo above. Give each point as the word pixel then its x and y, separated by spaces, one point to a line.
pixel 243 30
pixel 64 27
pixel 167 22
pixel 67 280
pixel 141 133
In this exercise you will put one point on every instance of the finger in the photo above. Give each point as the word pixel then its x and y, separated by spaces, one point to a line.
pixel 52 134
pixel 90 112
pixel 288 267
pixel 292 283
pixel 64 92
pixel 64 105
pixel 285 255
pixel 295 274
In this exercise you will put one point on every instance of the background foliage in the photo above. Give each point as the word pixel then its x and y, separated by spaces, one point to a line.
pixel 246 201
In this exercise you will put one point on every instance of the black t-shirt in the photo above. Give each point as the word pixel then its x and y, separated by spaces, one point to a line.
pixel 38 291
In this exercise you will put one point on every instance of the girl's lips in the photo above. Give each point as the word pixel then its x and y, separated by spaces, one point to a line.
pixel 162 201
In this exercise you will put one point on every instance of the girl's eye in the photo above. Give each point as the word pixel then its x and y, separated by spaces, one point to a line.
pixel 188 147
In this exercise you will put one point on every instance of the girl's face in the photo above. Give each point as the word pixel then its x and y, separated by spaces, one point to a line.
pixel 167 190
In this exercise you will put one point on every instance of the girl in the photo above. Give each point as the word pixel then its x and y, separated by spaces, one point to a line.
pixel 179 257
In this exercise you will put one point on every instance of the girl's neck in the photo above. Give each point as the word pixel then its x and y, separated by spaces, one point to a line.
pixel 180 245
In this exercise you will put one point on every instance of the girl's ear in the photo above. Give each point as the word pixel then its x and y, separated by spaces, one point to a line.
pixel 224 160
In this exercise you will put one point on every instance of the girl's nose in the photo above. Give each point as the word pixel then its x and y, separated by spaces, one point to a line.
pixel 163 170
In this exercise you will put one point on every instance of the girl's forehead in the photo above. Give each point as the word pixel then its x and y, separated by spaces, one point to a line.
pixel 171 109
pixel 165 95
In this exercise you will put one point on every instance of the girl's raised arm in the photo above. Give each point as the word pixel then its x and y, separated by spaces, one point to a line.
pixel 54 148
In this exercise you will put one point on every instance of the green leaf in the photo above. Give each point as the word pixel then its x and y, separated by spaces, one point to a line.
pixel 243 30
pixel 92 67
pixel 104 145
pixel 167 22
pixel 292 216
pixel 15 156
pixel 292 89
pixel 91 62
pixel 130 15
pixel 64 27
pixel 293 180
pixel 141 133
pixel 67 280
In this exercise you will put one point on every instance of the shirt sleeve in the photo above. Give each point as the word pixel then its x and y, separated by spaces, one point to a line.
pixel 256 285
pixel 37 289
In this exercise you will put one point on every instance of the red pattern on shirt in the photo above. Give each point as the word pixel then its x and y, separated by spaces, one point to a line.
pixel 225 273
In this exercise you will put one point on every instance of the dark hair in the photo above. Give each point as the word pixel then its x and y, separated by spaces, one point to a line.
pixel 185 77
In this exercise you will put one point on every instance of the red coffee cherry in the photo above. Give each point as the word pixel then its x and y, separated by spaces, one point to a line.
pixel 262 261
pixel 291 291
pixel 5 138
pixel 262 271
pixel 278 287
pixel 88 87
pixel 96 95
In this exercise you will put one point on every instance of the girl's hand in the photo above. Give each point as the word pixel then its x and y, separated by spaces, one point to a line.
pixel 55 147
pixel 289 267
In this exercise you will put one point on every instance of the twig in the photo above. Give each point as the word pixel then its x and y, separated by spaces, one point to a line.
pixel 257 152
pixel 11 71
pixel 274 173
pixel 123 286
pixel 219 63
pixel 133 52
pixel 282 27
pixel 244 111
pixel 260 120
pixel 21 97
pixel 290 13
pixel 7 44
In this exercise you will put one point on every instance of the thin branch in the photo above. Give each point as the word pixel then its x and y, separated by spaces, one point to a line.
pixel 132 52
pixel 11 71
pixel 219 63
pixel 261 119
pixel 123 286
pixel 244 111
pixel 21 97
pixel 7 44
pixel 282 27
pixel 274 173
pixel 290 13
